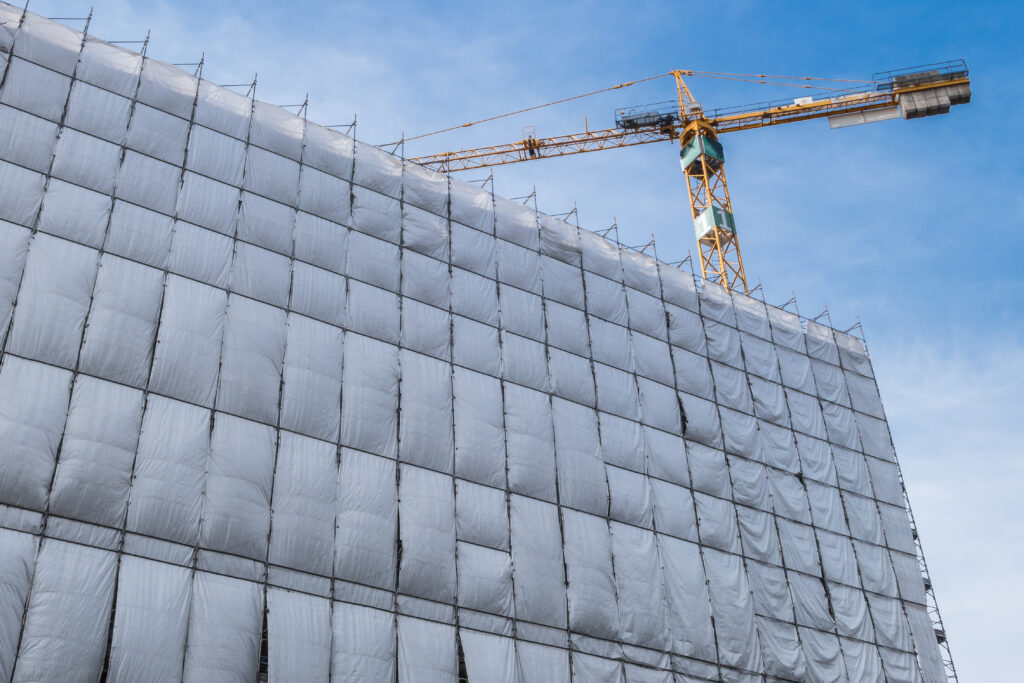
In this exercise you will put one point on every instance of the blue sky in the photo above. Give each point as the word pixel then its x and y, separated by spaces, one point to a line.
pixel 912 226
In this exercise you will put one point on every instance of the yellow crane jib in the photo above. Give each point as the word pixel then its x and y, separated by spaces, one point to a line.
pixel 911 93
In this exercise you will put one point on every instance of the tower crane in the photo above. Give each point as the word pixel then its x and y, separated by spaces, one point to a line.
pixel 912 93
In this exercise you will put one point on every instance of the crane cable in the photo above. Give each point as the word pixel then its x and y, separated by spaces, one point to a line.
pixel 719 75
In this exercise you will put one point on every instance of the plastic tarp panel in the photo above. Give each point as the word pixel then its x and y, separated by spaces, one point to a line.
pixel 560 240
pixel 630 497
pixel 48 43
pixel 806 414
pixel 617 392
pixel 702 421
pixel 425 232
pixel 17 565
pixel 852 354
pixel 148 182
pixel 225 626
pixel 167 88
pixel 65 631
pixel 377 170
pixel 733 609
pixel 304 509
pixel 13 252
pixel 118 342
pixel 796 370
pixel 26 139
pixel 926 645
pixel 485 579
pixel 686 591
pixel 267 224
pixel 151 621
pixel 749 483
pixel 823 655
pixel 789 496
pixel 363 644
pixel 318 293
pixel 427 532
pixel 852 471
pixel 33 408
pixel 639 587
pixel 522 313
pixel 271 175
pixel 277 130
pixel 760 357
pixel 652 358
pixel 201 255
pixel 139 234
pixel 426 404
pixel 851 612
pixel 324 195
pixel 472 206
pixel 516 223
pixel 321 243
pixel 839 422
pixel 826 507
pixel 239 481
pixel 489 658
pixel 223 110
pixel 610 344
pixel 605 298
pixel 837 558
pixel 158 134
pixel 862 661
pixel 622 442
pixel 311 396
pixel 187 354
pixel 581 477
pixel 74 213
pixel 542 664
pixel 474 296
pixel 830 382
pixel 367 520
pixel 600 256
pixel 708 470
pixel 757 530
pixel 588 561
pixel 35 89
pixel 109 66
pixel 770 591
pixel 741 435
pixel 566 328
pixel 474 251
pixel 864 395
pixel 874 437
pixel 170 469
pixel 640 272
pixel 217 156
pixel 646 314
pixel 896 526
pixel 876 571
pixel 781 650
pixel 21 193
pixel 537 562
pixel 476 346
pixel 798 548
pixel 253 360
pixel 426 652
pixel 769 401
pixel 678 288
pixel 885 481
pixel 591 669
pixel 425 279
pixel 862 515
pixel 562 282
pixel 53 301
pixel 659 406
pixel 479 428
pixel 820 343
pixel 716 519
pixel 212 204
pixel 816 460
pixel 693 374
pixel 530 443
pixel 686 330
pixel 518 266
pixel 299 634
pixel 723 343
pixel 481 515
pixel 97 453
pixel 899 666
pixel 426 329
pixel 369 407
pixel 810 602
pixel 425 189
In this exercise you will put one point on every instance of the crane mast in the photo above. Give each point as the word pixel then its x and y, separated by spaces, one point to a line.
pixel 912 93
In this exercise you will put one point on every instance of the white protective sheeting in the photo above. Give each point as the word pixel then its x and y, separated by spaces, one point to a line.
pixel 53 301
pixel 224 629
pixel 426 428
pixel 17 563
pixel 65 631
pixel 100 436
pixel 311 393
pixel 530 443
pixel 151 621
pixel 588 561
pixel 304 509
pixel 733 610
pixel 367 520
pixel 639 587
pixel 298 637
pixel 426 651
pixel 427 533
pixel 33 409
pixel 369 403
pixel 479 428
pixel 239 480
pixel 686 591
pixel 581 478
pixel 363 647
pixel 537 561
